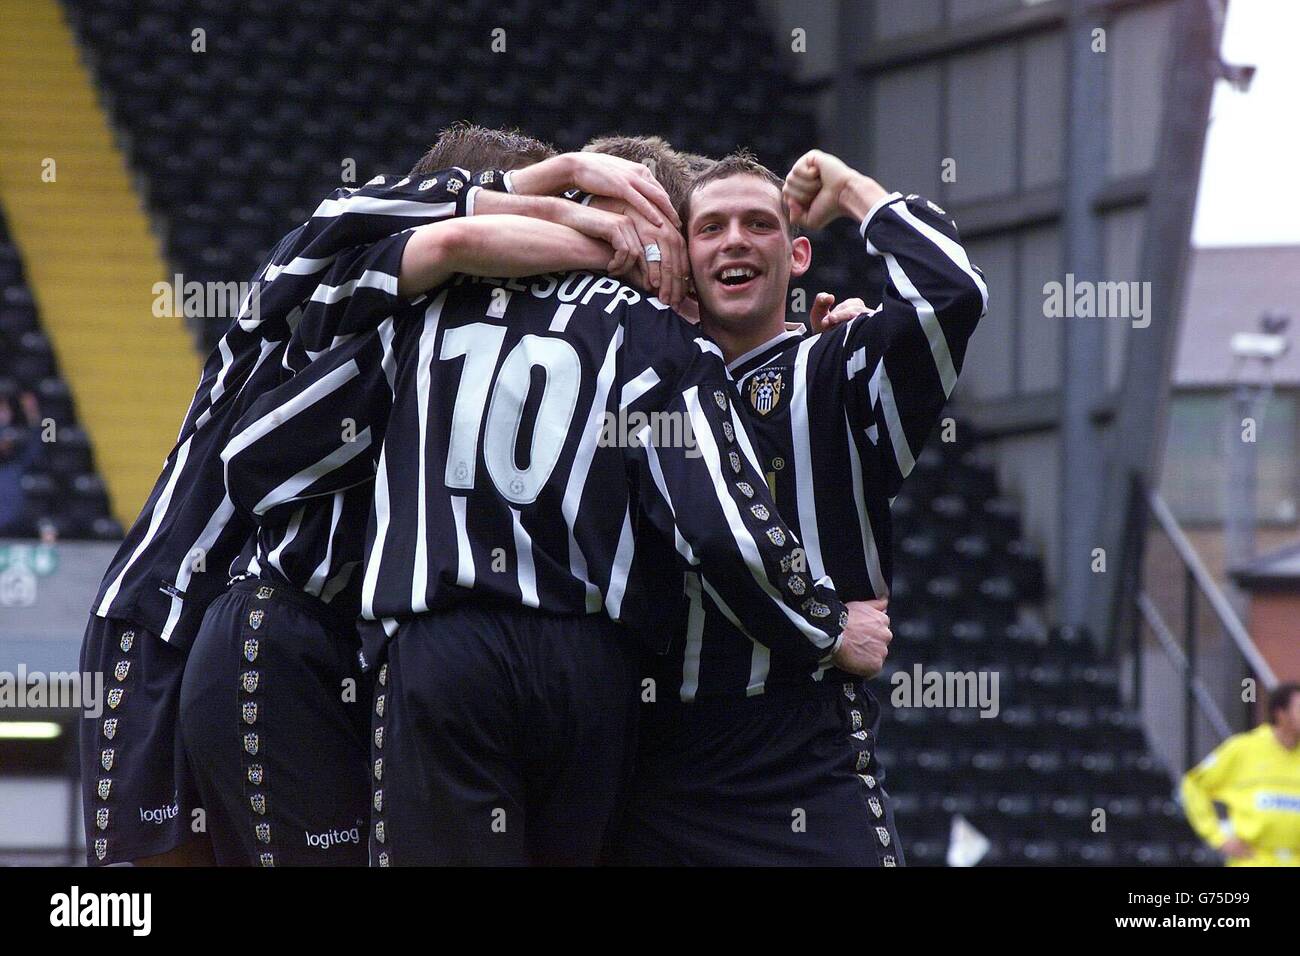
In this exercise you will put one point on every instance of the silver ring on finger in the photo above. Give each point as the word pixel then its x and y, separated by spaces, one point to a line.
pixel 652 253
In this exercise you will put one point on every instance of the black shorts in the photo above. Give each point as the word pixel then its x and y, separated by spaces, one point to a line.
pixel 275 716
pixel 136 791
pixel 501 737
pixel 787 779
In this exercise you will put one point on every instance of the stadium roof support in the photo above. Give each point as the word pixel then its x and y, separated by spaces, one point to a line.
pixel 1135 440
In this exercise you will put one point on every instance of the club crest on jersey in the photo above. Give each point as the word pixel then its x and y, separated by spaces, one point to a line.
pixel 797 584
pixel 379 705
pixel 728 431
pixel 250 650
pixel 250 744
pixel 864 761
pixel 106 759
pixel 883 835
pixel 379 737
pixel 383 859
pixel 263 831
pixel 101 848
pixel 128 639
pixel 101 818
pixel 876 808
pixel 849 692
pixel 454 186
pixel 249 712
pixel 121 670
pixel 379 801
pixel 249 680
pixel 760 512
pixel 487 177
pixel 816 608
pixel 114 698
pixel 856 717
pixel 383 675
pixel 255 774
pixel 255 618
pixel 379 831
pixel 869 780
pixel 110 728
pixel 103 787
pixel 765 389
pixel 734 459
pixel 746 488
pixel 426 184
pixel 776 536
pixel 264 592
pixel 720 397
pixel 267 859
pixel 258 802
pixel 379 769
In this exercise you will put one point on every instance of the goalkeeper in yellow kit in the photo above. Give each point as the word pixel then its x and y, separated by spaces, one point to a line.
pixel 1256 775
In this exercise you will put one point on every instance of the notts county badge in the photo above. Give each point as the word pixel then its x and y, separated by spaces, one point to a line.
pixel 721 398
pixel 250 744
pixel 121 670
pixel 263 831
pixel 249 712
pixel 255 618
pixel 249 680
pixel 114 697
pixel 255 774
pixel 128 638
pixel 765 390
pixel 110 728
pixel 250 650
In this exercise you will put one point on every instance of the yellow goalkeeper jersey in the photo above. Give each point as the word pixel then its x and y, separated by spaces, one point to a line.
pixel 1258 780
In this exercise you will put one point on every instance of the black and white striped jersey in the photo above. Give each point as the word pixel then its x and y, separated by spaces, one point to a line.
pixel 558 442
pixel 176 556
pixel 837 421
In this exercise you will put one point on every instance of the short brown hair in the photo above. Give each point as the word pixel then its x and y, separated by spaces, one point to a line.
pixel 665 162
pixel 740 163
pixel 477 148
pixel 1280 699
pixel 697 162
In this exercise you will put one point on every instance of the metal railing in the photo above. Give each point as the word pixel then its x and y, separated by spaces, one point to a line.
pixel 1185 640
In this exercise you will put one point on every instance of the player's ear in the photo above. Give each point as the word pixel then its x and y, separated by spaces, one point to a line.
pixel 800 255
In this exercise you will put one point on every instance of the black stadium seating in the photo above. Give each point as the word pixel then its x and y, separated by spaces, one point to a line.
pixel 234 146
pixel 61 490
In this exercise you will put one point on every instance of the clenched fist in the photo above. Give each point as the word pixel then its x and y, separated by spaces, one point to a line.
pixel 866 638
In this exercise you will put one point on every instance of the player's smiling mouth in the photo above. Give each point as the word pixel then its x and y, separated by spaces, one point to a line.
pixel 736 278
